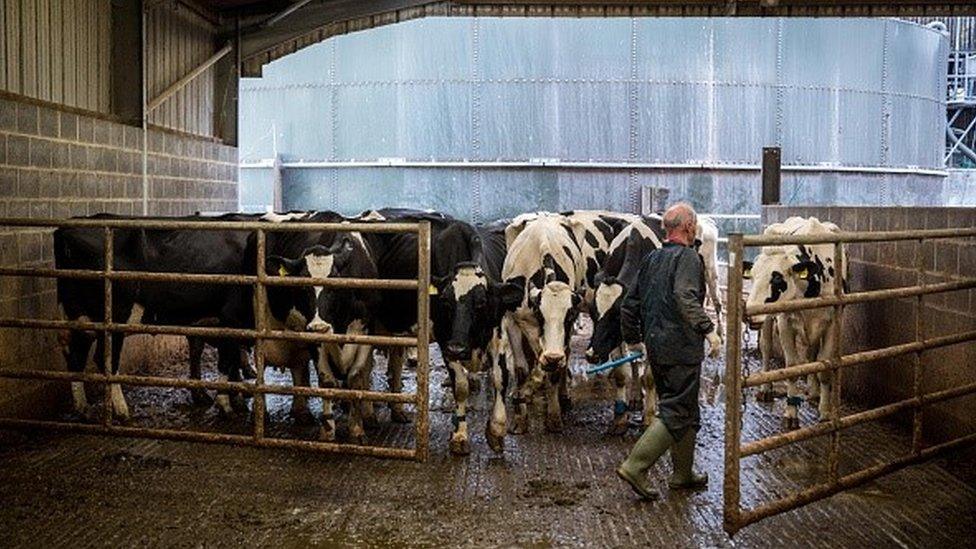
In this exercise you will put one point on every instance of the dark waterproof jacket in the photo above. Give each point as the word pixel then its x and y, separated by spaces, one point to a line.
pixel 664 308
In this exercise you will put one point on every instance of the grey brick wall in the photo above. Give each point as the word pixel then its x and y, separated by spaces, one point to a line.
pixel 875 325
pixel 56 163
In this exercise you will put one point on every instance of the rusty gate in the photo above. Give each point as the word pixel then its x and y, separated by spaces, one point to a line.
pixel 737 380
pixel 259 334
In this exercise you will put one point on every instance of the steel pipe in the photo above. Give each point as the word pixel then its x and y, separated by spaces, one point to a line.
pixel 213 225
pixel 859 297
pixel 222 386
pixel 212 438
pixel 854 359
pixel 822 491
pixel 846 422
pixel 851 237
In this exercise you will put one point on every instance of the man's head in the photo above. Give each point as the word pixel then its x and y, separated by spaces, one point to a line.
pixel 680 222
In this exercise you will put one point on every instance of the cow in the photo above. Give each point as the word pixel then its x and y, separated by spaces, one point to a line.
pixel 135 302
pixel 618 274
pixel 793 272
pixel 463 299
pixel 546 260
pixel 336 310
pixel 466 309
pixel 291 307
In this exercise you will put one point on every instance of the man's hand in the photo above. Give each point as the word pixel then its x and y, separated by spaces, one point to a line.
pixel 714 344
pixel 637 348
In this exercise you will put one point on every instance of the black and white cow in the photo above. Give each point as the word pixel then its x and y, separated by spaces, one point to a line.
pixel 340 311
pixel 134 302
pixel 466 309
pixel 787 273
pixel 619 273
pixel 292 307
pixel 545 258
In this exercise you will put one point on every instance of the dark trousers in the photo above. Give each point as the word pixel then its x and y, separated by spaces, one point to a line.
pixel 677 397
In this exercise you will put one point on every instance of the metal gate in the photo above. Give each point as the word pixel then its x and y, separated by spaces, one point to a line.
pixel 259 334
pixel 736 380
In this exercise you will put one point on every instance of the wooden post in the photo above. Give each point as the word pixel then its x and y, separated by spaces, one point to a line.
pixel 771 177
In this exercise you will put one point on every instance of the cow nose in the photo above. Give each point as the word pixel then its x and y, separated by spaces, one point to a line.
pixel 457 350
pixel 552 358
pixel 320 326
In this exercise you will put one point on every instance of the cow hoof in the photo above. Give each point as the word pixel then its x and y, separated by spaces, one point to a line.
pixel 791 423
pixel 302 416
pixel 764 395
pixel 565 403
pixel 619 425
pixel 495 441
pixel 554 424
pixel 519 427
pixel 399 416
pixel 201 398
pixel 460 446
pixel 326 435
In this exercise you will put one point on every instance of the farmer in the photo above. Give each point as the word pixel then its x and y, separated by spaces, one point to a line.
pixel 662 316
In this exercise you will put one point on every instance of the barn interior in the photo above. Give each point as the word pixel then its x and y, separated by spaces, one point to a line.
pixel 485 110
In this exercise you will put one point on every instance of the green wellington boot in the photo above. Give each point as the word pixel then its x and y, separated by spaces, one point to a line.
pixel 649 448
pixel 683 458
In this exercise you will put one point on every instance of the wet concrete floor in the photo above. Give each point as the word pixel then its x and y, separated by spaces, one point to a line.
pixel 544 490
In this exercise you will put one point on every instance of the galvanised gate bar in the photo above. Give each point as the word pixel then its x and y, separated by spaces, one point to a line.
pixel 735 517
pixel 259 334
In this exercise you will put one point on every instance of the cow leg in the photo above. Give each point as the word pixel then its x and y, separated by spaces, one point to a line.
pixel 635 400
pixel 394 376
pixel 76 352
pixel 515 355
pixel 650 396
pixel 500 376
pixel 120 408
pixel 565 402
pixel 299 403
pixel 327 380
pixel 554 416
pixel 791 419
pixel 459 438
pixel 369 410
pixel 715 295
pixel 228 368
pixel 825 388
pixel 765 393
pixel 359 377
pixel 621 415
pixel 813 387
pixel 199 397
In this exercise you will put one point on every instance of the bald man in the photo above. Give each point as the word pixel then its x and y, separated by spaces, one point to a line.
pixel 662 316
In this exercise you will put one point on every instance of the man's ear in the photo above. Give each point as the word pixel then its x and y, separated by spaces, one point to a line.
pixel 281 266
pixel 747 270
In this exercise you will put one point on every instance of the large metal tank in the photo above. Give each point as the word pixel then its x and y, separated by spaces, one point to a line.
pixel 489 117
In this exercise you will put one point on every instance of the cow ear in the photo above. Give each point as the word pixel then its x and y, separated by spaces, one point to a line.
pixel 804 269
pixel 281 266
pixel 747 270
pixel 510 295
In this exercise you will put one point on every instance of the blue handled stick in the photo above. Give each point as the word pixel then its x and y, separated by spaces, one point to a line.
pixel 614 363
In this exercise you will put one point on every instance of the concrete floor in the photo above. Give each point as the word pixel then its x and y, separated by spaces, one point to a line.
pixel 61 490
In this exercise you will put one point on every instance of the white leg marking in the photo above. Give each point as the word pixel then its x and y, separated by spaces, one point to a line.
pixel 223 399
pixel 79 397
pixel 119 406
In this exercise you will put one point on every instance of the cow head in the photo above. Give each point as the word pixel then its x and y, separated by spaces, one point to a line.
pixel 555 307
pixel 328 310
pixel 783 273
pixel 469 305
pixel 605 313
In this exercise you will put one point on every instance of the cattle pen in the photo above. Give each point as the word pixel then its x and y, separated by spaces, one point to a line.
pixel 261 332
pixel 737 380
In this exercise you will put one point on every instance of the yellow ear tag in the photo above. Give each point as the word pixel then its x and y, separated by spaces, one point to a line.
pixel 803 274
pixel 282 271
pixel 431 290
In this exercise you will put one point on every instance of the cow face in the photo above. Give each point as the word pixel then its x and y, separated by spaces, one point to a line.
pixel 780 275
pixel 555 307
pixel 471 306
pixel 605 313
pixel 328 310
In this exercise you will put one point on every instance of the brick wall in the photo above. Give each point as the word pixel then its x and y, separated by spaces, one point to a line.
pixel 60 163
pixel 875 325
